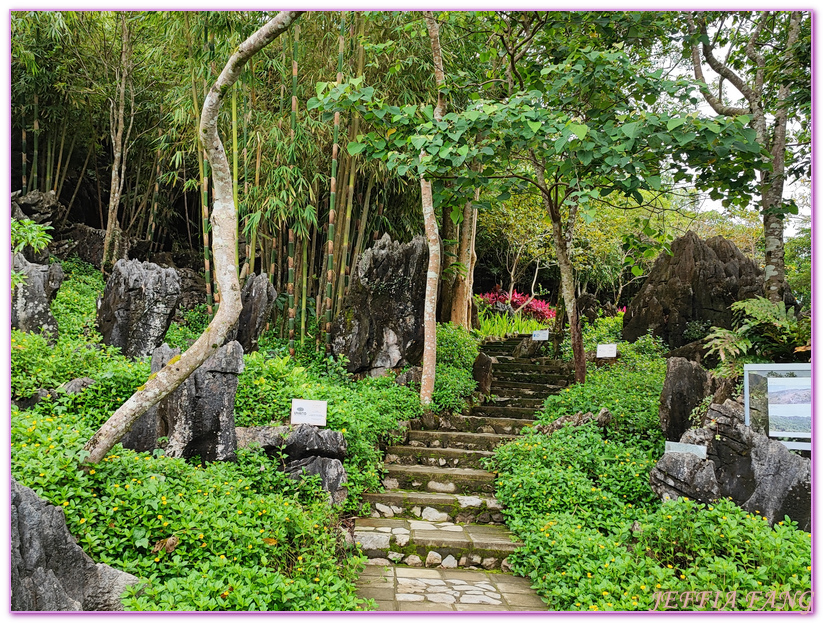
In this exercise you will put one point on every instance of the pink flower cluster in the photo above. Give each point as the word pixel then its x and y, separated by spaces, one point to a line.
pixel 537 309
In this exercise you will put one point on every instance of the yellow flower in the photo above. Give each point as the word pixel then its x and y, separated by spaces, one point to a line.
pixel 92 472
pixel 156 560
pixel 84 521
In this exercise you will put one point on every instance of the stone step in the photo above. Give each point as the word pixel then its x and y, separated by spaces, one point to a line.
pixel 485 424
pixel 435 506
pixel 533 378
pixel 516 392
pixel 520 413
pixel 457 439
pixel 464 481
pixel 527 366
pixel 436 457
pixel 512 401
pixel 435 544
pixel 518 386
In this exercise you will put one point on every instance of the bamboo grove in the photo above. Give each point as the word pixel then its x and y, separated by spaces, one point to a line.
pixel 133 84
pixel 105 107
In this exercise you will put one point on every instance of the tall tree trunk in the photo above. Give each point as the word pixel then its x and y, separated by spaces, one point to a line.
pixel 116 128
pixel 376 236
pixel 432 235
pixel 225 227
pixel 156 196
pixel 461 302
pixel 567 288
pixel 49 160
pixel 449 233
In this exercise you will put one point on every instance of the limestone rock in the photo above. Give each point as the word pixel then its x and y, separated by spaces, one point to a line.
pixel 192 289
pixel 757 473
pixel 698 282
pixel 687 384
pixel 137 306
pixel 413 560
pixel 381 324
pixel 482 373
pixel 685 387
pixel 31 300
pixel 197 417
pixel 332 475
pixel 258 298
pixel 449 562
pixel 432 514
pixel 297 442
pixel 528 348
pixel 49 571
pixel 433 559
pixel 412 376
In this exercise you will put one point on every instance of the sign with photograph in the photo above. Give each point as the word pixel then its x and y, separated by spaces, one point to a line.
pixel 541 336
pixel 779 402
pixel 688 448
pixel 606 351
pixel 308 412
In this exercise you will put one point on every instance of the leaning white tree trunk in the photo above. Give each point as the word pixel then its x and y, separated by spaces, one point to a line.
pixel 224 226
pixel 432 234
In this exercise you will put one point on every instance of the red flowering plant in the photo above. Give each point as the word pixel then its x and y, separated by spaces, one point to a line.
pixel 534 308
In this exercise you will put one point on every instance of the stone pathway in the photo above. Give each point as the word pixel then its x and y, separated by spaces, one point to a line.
pixel 436 539
pixel 405 589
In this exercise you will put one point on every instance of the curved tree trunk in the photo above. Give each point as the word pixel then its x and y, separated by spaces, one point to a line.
pixel 224 226
pixel 432 235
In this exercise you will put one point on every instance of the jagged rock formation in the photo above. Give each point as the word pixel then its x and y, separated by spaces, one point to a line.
pixel 31 300
pixel 698 282
pixel 49 571
pixel 687 384
pixel 137 306
pixel 602 419
pixel 381 324
pixel 305 448
pixel 758 473
pixel 258 297
pixel 197 417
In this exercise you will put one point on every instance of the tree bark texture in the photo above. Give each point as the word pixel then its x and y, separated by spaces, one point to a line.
pixel 432 235
pixel 567 289
pixel 773 140
pixel 224 226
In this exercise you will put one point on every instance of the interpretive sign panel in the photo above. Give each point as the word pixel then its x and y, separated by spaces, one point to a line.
pixel 689 448
pixel 606 351
pixel 308 412
pixel 779 402
pixel 540 336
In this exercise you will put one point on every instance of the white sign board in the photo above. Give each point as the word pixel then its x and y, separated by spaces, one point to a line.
pixel 308 412
pixel 606 351
pixel 540 336
pixel 688 448
pixel 779 402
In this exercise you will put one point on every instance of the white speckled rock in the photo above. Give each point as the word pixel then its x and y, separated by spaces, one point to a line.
pixel 433 559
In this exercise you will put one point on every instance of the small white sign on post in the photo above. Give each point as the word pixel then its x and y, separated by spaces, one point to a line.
pixel 308 412
pixel 540 336
pixel 606 351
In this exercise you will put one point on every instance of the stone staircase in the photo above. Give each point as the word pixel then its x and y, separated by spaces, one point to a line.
pixel 438 509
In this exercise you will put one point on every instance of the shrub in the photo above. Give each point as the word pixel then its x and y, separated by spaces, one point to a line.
pixel 764 331
pixel 456 346
pixel 196 534
pixel 452 386
pixel 499 325
pixel 534 309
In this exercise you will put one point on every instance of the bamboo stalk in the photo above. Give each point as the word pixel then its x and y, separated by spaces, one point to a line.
pixel 66 168
pixel 35 156
pixel 23 150
pixel 59 159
